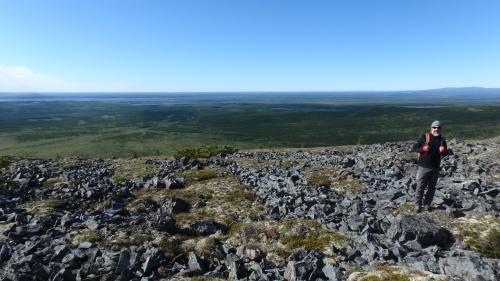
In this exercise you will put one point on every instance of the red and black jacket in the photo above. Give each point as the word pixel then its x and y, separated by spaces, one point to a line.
pixel 432 158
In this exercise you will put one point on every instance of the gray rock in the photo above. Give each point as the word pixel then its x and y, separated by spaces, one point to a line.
pixel 194 263
pixel 122 267
pixel 235 267
pixel 174 183
pixel 425 231
pixel 154 258
pixel 332 273
pixel 469 266
pixel 257 274
pixel 207 227
pixel 173 205
pixel 5 252
pixel 91 224
pixel 85 245
pixel 163 222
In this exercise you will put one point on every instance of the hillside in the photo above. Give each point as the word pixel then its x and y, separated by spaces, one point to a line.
pixel 335 213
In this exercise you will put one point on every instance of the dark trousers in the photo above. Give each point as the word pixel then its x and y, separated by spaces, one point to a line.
pixel 426 179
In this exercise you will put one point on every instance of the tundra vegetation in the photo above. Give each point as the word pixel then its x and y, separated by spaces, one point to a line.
pixel 96 129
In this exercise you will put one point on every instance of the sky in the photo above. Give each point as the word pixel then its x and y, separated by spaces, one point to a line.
pixel 252 45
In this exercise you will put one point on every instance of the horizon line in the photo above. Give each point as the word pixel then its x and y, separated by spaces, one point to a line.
pixel 248 91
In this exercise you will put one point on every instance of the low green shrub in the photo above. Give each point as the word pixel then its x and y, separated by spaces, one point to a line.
pixel 206 174
pixel 4 162
pixel 487 244
pixel 204 151
pixel 9 187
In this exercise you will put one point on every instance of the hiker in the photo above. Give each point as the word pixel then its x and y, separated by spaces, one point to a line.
pixel 430 147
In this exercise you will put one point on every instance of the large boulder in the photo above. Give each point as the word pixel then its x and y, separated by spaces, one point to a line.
pixel 425 231
pixel 468 265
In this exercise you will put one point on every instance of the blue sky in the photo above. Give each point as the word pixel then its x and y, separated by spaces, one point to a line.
pixel 252 45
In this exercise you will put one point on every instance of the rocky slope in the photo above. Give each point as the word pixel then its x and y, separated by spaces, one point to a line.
pixel 317 214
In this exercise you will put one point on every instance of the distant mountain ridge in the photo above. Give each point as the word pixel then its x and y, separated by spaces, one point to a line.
pixel 454 90
pixel 464 90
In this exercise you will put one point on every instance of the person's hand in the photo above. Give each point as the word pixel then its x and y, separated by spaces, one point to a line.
pixel 426 148
pixel 442 149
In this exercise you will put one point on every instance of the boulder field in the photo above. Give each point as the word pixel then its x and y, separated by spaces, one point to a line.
pixel 336 213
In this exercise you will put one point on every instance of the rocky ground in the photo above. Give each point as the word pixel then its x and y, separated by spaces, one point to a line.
pixel 343 213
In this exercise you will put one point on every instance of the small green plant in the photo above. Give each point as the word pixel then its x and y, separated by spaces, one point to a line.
pixel 85 235
pixel 171 245
pixel 481 234
pixel 4 162
pixel 9 187
pixel 135 239
pixel 206 174
pixel 131 169
pixel 404 208
pixel 361 140
pixel 287 163
pixel 318 179
pixel 316 239
pixel 340 180
pixel 487 244
pixel 240 193
pixel 204 151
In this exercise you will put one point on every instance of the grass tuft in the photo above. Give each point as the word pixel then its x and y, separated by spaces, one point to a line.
pixel 487 244
pixel 342 181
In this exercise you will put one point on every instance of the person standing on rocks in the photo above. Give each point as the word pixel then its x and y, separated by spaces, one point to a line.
pixel 430 147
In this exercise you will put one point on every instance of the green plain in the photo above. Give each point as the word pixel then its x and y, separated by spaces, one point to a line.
pixel 121 129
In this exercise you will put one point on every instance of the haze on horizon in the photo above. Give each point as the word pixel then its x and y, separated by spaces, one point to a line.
pixel 199 46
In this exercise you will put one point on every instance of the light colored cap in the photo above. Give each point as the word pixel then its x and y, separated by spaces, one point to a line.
pixel 436 124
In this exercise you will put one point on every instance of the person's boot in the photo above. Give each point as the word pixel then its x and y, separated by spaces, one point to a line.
pixel 418 208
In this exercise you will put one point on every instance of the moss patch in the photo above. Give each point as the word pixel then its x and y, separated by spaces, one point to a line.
pixel 226 201
pixel 4 162
pixel 45 207
pixel 193 176
pixel 280 239
pixel 129 169
pixel 172 245
pixel 481 234
pixel 52 182
pixel 123 239
pixel 393 273
pixel 340 180
pixel 85 235
pixel 405 209
pixel 9 187
pixel 310 234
